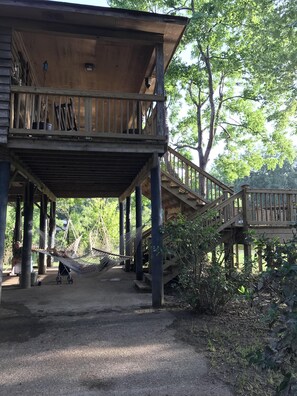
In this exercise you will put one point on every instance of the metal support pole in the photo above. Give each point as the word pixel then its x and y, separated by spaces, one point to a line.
pixel 4 185
pixel 128 236
pixel 42 235
pixel 138 240
pixel 156 249
pixel 52 231
pixel 121 226
pixel 25 277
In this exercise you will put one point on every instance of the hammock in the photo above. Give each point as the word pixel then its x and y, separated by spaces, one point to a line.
pixel 96 260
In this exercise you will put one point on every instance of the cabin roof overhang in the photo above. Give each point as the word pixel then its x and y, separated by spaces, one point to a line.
pixel 102 22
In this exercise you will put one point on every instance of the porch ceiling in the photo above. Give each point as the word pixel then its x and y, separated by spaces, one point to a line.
pixel 118 42
pixel 119 67
pixel 76 174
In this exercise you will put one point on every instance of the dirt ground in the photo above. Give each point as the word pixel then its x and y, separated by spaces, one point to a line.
pixel 97 336
pixel 226 340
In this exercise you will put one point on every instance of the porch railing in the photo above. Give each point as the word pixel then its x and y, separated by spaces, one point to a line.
pixel 91 113
pixel 193 177
pixel 253 208
pixel 271 207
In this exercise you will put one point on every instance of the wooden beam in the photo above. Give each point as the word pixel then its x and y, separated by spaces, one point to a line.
pixel 138 179
pixel 138 241
pixel 25 277
pixel 75 30
pixel 149 146
pixel 156 250
pixel 23 171
pixel 43 234
pixel 4 183
pixel 18 220
pixel 128 234
pixel 88 94
pixel 121 228
pixel 52 231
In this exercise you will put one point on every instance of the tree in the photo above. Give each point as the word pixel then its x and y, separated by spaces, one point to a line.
pixel 234 76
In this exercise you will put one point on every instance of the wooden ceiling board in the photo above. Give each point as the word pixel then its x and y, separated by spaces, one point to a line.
pixel 119 68
pixel 81 174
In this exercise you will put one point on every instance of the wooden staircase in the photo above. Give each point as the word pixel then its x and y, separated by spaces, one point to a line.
pixel 188 190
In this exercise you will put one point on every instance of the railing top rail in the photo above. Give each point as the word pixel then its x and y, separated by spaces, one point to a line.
pixel 270 190
pixel 86 94
pixel 201 171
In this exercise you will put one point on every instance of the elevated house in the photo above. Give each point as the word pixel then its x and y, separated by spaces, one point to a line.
pixel 82 114
pixel 82 108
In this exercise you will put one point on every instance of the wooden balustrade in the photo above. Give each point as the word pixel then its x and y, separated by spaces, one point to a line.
pixel 78 113
pixel 271 207
pixel 193 177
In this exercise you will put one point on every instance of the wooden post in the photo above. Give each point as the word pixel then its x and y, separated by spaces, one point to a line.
pixel 128 236
pixel 159 89
pixel 260 260
pixel 25 277
pixel 229 257
pixel 17 225
pixel 4 185
pixel 121 226
pixel 247 249
pixel 138 240
pixel 52 231
pixel 237 255
pixel 43 234
pixel 156 249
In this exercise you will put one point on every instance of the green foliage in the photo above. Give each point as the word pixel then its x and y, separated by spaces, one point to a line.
pixel 234 77
pixel 95 220
pixel 206 285
pixel 281 177
pixel 280 281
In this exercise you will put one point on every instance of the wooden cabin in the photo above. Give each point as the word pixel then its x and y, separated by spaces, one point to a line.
pixel 82 114
pixel 82 108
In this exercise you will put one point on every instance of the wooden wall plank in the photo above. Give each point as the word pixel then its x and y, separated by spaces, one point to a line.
pixel 5 81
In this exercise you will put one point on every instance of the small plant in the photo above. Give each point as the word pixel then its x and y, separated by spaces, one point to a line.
pixel 205 284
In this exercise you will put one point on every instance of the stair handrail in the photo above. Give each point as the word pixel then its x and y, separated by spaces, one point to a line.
pixel 184 186
pixel 193 176
pixel 226 212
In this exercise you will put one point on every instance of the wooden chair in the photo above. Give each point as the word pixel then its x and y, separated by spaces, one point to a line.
pixel 65 116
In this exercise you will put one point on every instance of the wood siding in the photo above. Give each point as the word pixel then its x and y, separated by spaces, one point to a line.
pixel 5 73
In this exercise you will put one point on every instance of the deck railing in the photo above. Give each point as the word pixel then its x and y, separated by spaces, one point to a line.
pixel 193 177
pixel 91 113
pixel 271 207
pixel 254 208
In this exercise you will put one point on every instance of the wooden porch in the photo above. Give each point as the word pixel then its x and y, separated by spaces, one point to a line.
pixel 58 134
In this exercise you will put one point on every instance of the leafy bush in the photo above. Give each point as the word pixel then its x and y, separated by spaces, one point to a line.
pixel 205 284
pixel 280 283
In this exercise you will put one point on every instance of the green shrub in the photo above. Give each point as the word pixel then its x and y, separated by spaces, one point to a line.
pixel 280 283
pixel 205 284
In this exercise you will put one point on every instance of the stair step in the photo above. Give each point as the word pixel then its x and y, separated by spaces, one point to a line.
pixel 142 286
